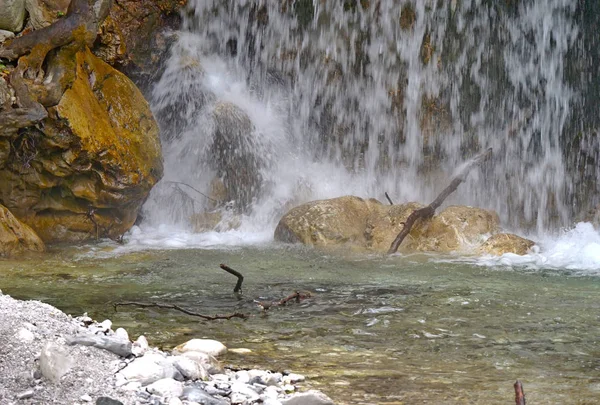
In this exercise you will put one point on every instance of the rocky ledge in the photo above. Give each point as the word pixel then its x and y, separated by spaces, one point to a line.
pixel 48 357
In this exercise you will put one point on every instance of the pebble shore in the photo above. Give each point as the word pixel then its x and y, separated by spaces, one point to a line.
pixel 48 357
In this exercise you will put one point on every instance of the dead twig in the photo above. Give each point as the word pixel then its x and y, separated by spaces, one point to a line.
pixel 428 211
pixel 519 393
pixel 238 285
pixel 388 198
pixel 180 309
pixel 297 296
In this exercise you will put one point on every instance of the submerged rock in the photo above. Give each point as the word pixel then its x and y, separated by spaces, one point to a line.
pixel 502 243
pixel 207 346
pixel 368 224
pixel 89 167
pixel 16 237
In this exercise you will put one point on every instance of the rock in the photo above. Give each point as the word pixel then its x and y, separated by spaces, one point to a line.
pixel 42 13
pixel 245 391
pixel 331 222
pixel 25 335
pixel 206 361
pixel 86 398
pixel 16 237
pixel 149 368
pixel 166 387
pixel 112 344
pixel 458 228
pixel 236 156
pixel 502 243
pixel 308 398
pixel 189 368
pixel 208 346
pixel 107 401
pixel 54 362
pixel 215 221
pixel 25 394
pixel 194 394
pixel 175 401
pixel 368 224
pixel 240 350
pixel 12 15
pixel 6 94
pixel 140 346
pixel 110 45
pixel 4 35
pixel 122 334
pixel 97 156
pixel 293 378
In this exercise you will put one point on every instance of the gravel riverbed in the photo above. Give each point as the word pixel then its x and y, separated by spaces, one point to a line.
pixel 48 357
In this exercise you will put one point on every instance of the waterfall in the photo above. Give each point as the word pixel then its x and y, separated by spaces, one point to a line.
pixel 266 104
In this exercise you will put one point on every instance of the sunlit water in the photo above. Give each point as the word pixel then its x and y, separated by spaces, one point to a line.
pixel 400 329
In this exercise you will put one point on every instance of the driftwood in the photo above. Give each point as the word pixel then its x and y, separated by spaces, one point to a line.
pixel 519 393
pixel 297 296
pixel 388 198
pixel 238 285
pixel 429 211
pixel 180 309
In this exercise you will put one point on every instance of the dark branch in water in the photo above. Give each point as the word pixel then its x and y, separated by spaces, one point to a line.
pixel 238 285
pixel 519 393
pixel 296 296
pixel 388 198
pixel 195 189
pixel 180 309
pixel 428 211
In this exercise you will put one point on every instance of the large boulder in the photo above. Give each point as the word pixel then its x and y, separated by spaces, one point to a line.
pixel 85 171
pixel 502 243
pixel 42 13
pixel 331 222
pixel 12 15
pixel 16 237
pixel 368 224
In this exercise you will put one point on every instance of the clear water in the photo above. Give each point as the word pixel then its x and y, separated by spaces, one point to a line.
pixel 378 330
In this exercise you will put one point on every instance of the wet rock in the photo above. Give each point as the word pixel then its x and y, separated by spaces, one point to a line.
pixel 54 362
pixel 215 221
pixel 110 45
pixel 308 398
pixel 166 387
pixel 208 346
pixel 86 172
pixel 502 243
pixel 236 156
pixel 384 224
pixel 12 15
pixel 16 237
pixel 114 345
pixel 330 222
pixel 42 13
pixel 108 401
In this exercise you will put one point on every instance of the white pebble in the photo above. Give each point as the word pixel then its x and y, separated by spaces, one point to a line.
pixel 86 398
pixel 122 334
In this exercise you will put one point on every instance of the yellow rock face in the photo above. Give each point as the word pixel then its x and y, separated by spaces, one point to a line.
pixel 502 243
pixel 87 170
pixel 16 237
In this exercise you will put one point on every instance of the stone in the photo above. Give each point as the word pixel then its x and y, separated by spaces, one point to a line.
pixel 108 401
pixel 25 394
pixel 86 398
pixel 194 394
pixel 208 362
pixel 12 15
pixel 25 335
pixel 54 362
pixel 240 350
pixel 16 237
pixel 42 13
pixel 208 346
pixel 189 368
pixel 140 346
pixel 110 45
pixel 122 334
pixel 149 368
pixel 384 224
pixel 333 222
pixel 245 391
pixel 166 387
pixel 308 398
pixel 502 243
pixel 98 156
pixel 4 35
pixel 293 378
pixel 175 401
pixel 112 344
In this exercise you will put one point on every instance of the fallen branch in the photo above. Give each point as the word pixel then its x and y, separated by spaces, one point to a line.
pixel 388 198
pixel 428 211
pixel 296 296
pixel 519 394
pixel 238 285
pixel 195 189
pixel 180 309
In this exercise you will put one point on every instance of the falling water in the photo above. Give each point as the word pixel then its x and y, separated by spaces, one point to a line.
pixel 288 101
